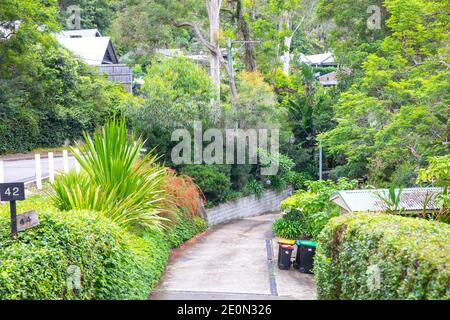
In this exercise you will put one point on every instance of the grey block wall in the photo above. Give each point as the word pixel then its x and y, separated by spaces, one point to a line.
pixel 249 206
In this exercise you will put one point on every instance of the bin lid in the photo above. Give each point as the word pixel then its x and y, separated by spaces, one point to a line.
pixel 307 243
pixel 286 241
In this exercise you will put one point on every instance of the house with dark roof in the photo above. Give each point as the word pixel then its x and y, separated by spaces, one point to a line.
pixel 95 50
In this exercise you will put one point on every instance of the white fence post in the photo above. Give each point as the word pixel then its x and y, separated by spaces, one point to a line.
pixel 2 173
pixel 51 168
pixel 37 160
pixel 77 164
pixel 65 161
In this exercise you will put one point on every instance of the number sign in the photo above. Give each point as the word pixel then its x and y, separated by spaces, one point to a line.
pixel 12 191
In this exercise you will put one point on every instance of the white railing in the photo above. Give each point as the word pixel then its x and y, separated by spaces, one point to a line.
pixel 31 170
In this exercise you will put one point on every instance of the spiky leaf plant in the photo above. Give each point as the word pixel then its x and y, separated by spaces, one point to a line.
pixel 113 180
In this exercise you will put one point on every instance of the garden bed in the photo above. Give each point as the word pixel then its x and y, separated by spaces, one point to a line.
pixel 83 255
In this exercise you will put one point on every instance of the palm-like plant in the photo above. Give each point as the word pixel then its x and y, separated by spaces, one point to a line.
pixel 113 179
pixel 392 200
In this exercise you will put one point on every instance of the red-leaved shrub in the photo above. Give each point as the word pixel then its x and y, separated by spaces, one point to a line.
pixel 182 193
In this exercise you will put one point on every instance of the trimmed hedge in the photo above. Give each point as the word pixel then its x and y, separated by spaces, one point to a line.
pixel 378 256
pixel 113 263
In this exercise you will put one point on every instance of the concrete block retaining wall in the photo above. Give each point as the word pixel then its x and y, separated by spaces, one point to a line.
pixel 248 206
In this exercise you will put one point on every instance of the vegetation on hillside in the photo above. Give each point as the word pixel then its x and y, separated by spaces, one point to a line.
pixel 230 65
pixel 308 211
pixel 385 119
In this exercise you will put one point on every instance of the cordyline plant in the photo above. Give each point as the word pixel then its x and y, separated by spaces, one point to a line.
pixel 391 200
pixel 113 180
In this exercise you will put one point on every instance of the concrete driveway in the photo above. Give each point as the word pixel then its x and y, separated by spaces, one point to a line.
pixel 237 260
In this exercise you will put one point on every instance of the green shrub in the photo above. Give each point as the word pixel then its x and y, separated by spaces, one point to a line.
pixel 289 229
pixel 299 180
pixel 177 91
pixel 438 174
pixel 214 184
pixel 311 208
pixel 379 256
pixel 285 174
pixel 253 187
pixel 112 264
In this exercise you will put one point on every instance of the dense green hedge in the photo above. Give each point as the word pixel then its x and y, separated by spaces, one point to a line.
pixel 378 256
pixel 184 229
pixel 113 264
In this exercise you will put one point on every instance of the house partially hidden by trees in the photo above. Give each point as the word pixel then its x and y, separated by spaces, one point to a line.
pixel 98 51
pixel 319 60
pixel 410 200
pixel 328 79
pixel 200 58
pixel 325 61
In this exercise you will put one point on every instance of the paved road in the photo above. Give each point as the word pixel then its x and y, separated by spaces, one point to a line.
pixel 24 170
pixel 232 262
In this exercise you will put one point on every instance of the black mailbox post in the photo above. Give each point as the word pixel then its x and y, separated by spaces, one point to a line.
pixel 12 192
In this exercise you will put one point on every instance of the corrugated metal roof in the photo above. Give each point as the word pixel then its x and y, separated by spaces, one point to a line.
pixel 318 59
pixel 411 199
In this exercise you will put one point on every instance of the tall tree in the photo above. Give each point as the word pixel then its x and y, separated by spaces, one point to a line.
pixel 213 9
pixel 93 13
pixel 140 27
pixel 216 58
pixel 279 24
pixel 395 115
pixel 249 57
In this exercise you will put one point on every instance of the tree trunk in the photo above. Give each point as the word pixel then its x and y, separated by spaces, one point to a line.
pixel 213 8
pixel 216 58
pixel 215 51
pixel 249 58
pixel 285 57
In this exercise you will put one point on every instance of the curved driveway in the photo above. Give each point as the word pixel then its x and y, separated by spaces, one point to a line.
pixel 232 261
